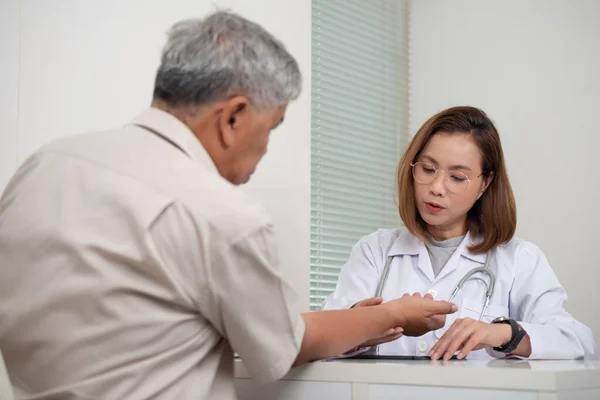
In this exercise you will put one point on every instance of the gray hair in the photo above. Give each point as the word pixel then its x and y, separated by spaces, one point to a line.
pixel 206 60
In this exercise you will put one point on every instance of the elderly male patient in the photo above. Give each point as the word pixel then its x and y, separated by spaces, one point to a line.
pixel 130 265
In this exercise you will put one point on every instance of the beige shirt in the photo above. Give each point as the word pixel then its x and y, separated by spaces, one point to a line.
pixel 130 269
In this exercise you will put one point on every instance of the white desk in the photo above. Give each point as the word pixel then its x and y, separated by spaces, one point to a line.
pixel 423 380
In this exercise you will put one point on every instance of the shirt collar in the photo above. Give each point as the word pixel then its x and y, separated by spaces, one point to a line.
pixel 177 133
pixel 408 244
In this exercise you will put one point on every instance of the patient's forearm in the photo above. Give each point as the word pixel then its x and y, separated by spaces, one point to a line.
pixel 329 333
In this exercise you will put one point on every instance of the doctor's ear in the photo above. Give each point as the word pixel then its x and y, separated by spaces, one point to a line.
pixel 486 184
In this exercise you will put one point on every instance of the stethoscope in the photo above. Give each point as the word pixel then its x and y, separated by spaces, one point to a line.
pixel 485 270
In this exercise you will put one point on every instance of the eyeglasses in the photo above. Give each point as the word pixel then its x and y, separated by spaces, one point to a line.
pixel 425 173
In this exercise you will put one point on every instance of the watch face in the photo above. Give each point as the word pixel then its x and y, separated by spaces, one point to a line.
pixel 500 319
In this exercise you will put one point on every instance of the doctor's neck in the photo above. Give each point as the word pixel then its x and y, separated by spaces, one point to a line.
pixel 445 232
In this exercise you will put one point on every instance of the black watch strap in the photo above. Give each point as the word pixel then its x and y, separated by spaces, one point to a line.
pixel 518 333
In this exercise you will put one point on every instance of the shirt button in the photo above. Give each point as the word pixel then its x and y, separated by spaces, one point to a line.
pixel 422 346
pixel 433 293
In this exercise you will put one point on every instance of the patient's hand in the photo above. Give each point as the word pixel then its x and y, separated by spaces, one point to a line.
pixel 420 314
pixel 388 336
pixel 437 320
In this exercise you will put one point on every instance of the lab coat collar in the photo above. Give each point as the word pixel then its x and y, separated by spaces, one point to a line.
pixel 469 241
pixel 405 244
pixel 408 244
pixel 177 133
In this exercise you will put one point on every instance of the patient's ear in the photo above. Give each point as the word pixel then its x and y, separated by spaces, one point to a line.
pixel 234 120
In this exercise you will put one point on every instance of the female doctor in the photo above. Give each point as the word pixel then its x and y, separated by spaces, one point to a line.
pixel 459 211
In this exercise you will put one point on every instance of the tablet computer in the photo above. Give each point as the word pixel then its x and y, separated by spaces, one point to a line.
pixel 366 356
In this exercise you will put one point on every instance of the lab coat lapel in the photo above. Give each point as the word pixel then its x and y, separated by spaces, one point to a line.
pixel 424 263
pixel 452 263
pixel 407 244
pixel 461 252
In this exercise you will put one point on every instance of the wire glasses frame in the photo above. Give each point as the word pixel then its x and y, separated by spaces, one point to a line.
pixel 425 173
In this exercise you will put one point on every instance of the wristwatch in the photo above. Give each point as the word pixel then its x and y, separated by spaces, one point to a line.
pixel 518 333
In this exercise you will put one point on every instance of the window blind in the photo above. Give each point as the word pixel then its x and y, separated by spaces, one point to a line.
pixel 359 127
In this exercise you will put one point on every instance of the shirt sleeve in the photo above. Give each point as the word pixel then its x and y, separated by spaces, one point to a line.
pixel 537 302
pixel 357 281
pixel 236 285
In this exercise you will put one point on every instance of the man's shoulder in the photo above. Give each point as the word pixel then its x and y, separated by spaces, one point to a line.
pixel 226 208
pixel 80 141
pixel 208 197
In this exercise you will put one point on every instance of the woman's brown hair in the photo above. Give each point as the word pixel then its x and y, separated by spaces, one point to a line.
pixel 494 214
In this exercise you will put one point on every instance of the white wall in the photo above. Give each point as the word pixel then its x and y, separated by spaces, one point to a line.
pixel 9 87
pixel 534 67
pixel 88 65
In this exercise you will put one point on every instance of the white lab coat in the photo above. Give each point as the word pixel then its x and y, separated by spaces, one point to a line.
pixel 526 290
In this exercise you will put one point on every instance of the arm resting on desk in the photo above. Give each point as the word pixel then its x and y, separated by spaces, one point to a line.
pixel 329 333
pixel 537 303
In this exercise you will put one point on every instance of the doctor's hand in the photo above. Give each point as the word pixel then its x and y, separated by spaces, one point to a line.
pixel 466 335
pixel 418 315
pixel 388 336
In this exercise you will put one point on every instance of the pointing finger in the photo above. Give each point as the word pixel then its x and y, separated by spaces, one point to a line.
pixel 442 307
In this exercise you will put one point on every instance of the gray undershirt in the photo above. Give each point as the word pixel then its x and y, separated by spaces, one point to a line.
pixel 440 252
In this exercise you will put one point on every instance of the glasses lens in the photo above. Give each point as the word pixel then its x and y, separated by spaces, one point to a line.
pixel 424 172
pixel 457 182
